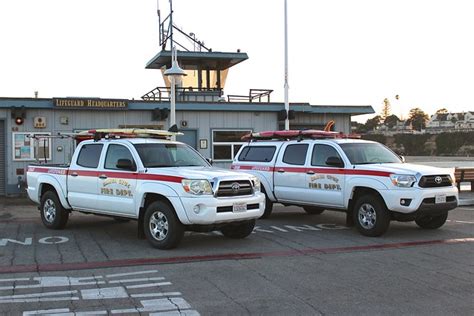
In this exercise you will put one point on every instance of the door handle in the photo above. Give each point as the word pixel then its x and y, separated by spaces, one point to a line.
pixel 310 172
pixel 74 174
pixel 102 176
pixel 281 171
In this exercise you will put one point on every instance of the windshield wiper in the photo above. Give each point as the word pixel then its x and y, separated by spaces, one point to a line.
pixel 159 166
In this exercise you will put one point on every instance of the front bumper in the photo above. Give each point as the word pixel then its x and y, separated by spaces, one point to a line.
pixel 422 200
pixel 207 210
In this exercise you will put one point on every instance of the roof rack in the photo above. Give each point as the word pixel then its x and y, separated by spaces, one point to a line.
pixel 297 134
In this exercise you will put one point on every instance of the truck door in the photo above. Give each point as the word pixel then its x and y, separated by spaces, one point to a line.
pixel 116 184
pixel 290 172
pixel 82 177
pixel 324 179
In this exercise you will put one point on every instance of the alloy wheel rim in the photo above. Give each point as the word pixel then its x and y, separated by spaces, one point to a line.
pixel 159 226
pixel 49 210
pixel 367 216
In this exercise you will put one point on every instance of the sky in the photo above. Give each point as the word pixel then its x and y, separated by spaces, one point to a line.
pixel 341 52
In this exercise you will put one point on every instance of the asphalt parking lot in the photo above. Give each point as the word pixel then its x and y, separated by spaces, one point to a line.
pixel 293 263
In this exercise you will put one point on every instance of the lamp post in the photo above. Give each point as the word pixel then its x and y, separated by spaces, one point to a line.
pixel 175 73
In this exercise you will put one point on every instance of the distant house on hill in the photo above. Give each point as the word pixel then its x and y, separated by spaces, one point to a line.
pixel 451 121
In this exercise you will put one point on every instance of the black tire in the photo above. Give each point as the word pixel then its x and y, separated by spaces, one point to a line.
pixel 432 222
pixel 268 206
pixel 162 228
pixel 53 214
pixel 238 231
pixel 313 210
pixel 371 216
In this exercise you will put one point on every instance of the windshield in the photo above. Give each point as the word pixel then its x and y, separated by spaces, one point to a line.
pixel 369 153
pixel 169 155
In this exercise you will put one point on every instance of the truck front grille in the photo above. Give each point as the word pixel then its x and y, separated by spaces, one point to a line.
pixel 434 181
pixel 234 188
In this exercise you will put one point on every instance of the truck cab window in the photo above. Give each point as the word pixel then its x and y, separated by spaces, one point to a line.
pixel 114 153
pixel 321 153
pixel 89 155
pixel 295 154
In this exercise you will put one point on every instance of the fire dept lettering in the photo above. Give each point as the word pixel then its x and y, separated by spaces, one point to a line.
pixel 324 186
pixel 123 190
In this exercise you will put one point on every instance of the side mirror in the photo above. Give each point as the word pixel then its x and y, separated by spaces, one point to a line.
pixel 402 158
pixel 210 161
pixel 334 161
pixel 125 164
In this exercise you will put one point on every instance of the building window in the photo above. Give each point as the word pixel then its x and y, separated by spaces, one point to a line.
pixel 226 143
pixel 31 146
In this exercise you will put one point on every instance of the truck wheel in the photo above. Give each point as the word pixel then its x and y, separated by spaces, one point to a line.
pixel 431 222
pixel 268 206
pixel 53 214
pixel 163 230
pixel 238 231
pixel 371 216
pixel 313 210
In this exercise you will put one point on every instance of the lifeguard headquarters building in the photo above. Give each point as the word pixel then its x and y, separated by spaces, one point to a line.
pixel 211 121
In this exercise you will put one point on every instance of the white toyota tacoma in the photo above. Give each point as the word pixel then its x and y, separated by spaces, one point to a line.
pixel 363 178
pixel 166 186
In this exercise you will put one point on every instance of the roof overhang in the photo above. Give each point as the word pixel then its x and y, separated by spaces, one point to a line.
pixel 191 60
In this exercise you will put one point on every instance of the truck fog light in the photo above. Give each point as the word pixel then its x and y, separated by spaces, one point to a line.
pixel 405 202
pixel 196 209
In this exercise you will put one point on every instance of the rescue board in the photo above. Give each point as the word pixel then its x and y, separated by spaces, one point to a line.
pixel 291 134
pixel 131 131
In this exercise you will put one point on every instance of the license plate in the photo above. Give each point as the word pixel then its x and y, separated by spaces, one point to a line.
pixel 440 199
pixel 239 207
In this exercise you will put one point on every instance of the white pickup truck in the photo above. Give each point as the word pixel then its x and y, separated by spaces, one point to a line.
pixel 363 178
pixel 167 186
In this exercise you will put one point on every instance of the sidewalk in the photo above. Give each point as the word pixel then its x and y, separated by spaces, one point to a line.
pixel 466 198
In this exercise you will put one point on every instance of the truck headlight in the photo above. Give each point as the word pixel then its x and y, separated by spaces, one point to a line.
pixel 256 183
pixel 197 187
pixel 403 180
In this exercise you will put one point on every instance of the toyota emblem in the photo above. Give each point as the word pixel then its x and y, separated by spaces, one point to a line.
pixel 438 180
pixel 235 187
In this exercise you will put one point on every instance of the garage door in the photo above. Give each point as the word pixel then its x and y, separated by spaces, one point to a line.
pixel 2 158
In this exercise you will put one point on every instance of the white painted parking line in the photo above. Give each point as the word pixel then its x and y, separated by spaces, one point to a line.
pixel 158 305
pixel 140 286
pixel 37 295
pixel 135 303
pixel 130 273
pixel 40 299
pixel 14 280
pixel 187 312
pixel 136 280
pixel 156 294
pixel 42 312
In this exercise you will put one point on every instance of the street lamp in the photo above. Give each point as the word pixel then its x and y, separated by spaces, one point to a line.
pixel 175 73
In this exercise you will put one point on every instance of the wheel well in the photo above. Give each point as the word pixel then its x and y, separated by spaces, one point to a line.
pixel 45 187
pixel 147 200
pixel 359 191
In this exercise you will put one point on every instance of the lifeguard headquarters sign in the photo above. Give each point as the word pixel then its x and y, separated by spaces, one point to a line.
pixel 68 103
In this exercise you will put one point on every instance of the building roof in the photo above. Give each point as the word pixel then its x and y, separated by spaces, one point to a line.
pixel 203 106
pixel 190 60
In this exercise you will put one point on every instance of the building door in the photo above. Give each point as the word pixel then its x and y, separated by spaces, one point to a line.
pixel 189 137
pixel 2 158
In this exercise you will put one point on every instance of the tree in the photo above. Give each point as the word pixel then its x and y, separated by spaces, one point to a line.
pixel 386 108
pixel 391 120
pixel 418 118
pixel 373 123
pixel 442 111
